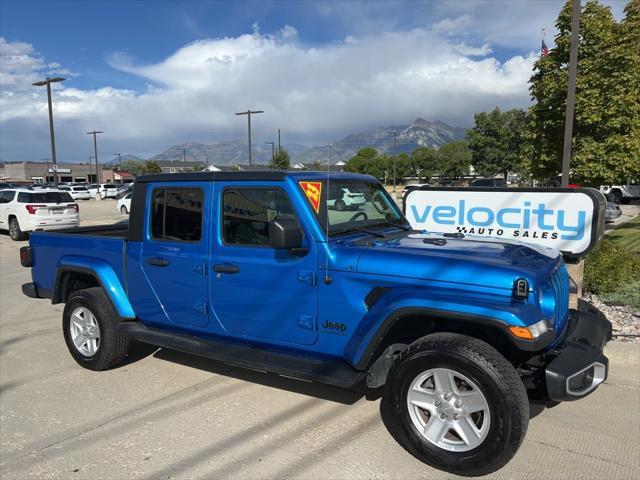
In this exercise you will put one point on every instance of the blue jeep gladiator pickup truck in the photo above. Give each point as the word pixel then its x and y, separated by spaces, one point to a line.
pixel 253 269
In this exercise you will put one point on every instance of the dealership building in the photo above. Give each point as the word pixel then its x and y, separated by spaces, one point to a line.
pixel 40 172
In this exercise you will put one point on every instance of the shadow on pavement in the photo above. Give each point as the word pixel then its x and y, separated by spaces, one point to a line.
pixel 316 390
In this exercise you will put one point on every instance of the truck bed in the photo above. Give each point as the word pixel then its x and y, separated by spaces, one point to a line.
pixel 102 244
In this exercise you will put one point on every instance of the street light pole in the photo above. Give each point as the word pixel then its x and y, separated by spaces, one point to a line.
pixel 54 165
pixel 95 155
pixel 273 150
pixel 90 169
pixel 395 157
pixel 279 145
pixel 248 113
pixel 184 158
pixel 119 166
pixel 571 92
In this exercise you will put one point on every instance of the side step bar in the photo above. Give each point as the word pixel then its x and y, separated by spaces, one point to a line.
pixel 331 372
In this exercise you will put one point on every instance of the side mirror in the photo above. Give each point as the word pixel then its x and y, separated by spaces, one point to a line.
pixel 285 233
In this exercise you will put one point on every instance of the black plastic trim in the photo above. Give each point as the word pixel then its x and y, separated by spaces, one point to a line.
pixel 138 211
pixel 260 175
pixel 587 334
pixel 329 371
pixel 526 345
pixel 374 295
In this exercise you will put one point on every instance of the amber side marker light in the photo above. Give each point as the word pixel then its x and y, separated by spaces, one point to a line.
pixel 521 332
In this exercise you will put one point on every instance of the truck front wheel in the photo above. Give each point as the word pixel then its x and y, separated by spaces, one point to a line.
pixel 456 404
pixel 90 326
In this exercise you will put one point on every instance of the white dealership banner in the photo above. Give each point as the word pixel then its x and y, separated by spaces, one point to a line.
pixel 569 220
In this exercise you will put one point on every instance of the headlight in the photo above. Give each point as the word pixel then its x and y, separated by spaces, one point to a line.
pixel 532 331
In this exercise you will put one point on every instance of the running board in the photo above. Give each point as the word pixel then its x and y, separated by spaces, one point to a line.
pixel 331 372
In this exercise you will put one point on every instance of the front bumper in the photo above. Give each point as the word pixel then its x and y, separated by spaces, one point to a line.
pixel 579 366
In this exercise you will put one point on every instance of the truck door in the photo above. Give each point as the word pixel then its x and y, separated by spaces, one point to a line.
pixel 259 292
pixel 174 253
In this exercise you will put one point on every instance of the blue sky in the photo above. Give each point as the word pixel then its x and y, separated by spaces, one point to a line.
pixel 156 73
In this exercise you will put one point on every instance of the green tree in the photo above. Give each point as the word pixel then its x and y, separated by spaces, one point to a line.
pixel 132 166
pixel 455 159
pixel 424 162
pixel 152 167
pixel 606 136
pixel 367 161
pixel 281 160
pixel 497 141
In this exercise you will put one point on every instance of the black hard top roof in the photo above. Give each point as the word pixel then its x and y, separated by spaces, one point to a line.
pixel 260 175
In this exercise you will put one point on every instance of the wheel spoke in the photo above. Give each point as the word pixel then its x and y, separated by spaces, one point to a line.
pixel 467 431
pixel 422 398
pixel 473 401
pixel 443 381
pixel 79 341
pixel 436 429
pixel 79 314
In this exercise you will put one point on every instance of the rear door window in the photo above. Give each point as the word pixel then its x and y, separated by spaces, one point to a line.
pixel 176 214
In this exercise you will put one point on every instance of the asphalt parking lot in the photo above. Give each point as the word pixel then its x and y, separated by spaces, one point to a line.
pixel 169 415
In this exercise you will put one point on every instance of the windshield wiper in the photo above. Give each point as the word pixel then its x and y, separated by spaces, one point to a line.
pixel 401 226
pixel 358 229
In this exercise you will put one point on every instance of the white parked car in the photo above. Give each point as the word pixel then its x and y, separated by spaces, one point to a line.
pixel 343 199
pixel 22 211
pixel 622 193
pixel 124 204
pixel 76 192
pixel 103 190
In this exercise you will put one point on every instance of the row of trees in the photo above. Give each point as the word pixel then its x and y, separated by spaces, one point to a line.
pixel 451 160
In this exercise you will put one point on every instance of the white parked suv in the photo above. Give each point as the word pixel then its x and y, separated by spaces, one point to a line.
pixel 343 199
pixel 622 193
pixel 77 192
pixel 22 211
pixel 124 204
pixel 103 190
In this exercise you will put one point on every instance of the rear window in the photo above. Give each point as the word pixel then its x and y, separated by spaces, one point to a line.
pixel 109 186
pixel 44 197
pixel 79 189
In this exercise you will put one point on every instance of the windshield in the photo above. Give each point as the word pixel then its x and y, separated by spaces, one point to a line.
pixel 352 204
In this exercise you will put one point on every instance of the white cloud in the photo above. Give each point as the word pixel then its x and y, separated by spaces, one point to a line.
pixel 312 92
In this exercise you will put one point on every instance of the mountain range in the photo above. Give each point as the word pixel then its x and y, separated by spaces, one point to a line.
pixel 233 152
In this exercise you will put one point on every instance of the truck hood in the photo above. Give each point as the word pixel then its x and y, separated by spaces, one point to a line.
pixel 469 260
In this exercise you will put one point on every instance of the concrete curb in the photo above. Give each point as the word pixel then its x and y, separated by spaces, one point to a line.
pixel 623 352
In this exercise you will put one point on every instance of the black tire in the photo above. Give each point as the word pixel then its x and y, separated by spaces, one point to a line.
pixel 495 377
pixel 616 196
pixel 340 205
pixel 112 347
pixel 123 210
pixel 15 232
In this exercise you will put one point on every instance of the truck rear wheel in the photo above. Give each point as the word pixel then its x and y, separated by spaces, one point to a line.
pixel 90 326
pixel 456 404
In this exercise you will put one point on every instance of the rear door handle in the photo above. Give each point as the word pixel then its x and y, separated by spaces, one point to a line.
pixel 158 261
pixel 226 268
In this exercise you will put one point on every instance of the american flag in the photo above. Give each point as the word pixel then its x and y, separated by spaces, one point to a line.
pixel 544 51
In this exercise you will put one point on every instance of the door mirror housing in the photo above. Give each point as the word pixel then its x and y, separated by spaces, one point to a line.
pixel 285 233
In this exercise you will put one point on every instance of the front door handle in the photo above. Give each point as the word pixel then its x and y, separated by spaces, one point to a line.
pixel 158 261
pixel 226 268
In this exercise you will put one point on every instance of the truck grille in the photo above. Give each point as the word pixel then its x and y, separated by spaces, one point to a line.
pixel 560 282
